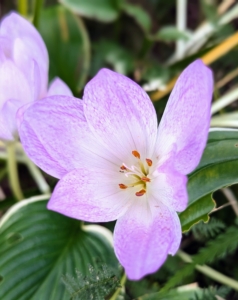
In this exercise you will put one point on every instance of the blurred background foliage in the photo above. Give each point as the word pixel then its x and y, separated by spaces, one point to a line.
pixel 151 41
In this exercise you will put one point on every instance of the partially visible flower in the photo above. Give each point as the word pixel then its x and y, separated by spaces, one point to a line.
pixel 114 163
pixel 23 71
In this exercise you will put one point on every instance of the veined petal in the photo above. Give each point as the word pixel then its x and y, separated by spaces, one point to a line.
pixel 27 44
pixel 143 237
pixel 5 47
pixel 120 113
pixel 59 87
pixel 186 119
pixel 90 195
pixel 8 112
pixel 30 68
pixel 13 84
pixel 177 234
pixel 55 135
pixel 169 186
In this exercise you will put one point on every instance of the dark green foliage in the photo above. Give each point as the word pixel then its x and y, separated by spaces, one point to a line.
pixel 96 286
pixel 203 231
pixel 225 244
pixel 211 293
pixel 178 277
pixel 193 293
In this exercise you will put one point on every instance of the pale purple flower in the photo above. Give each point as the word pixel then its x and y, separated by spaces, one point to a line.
pixel 115 164
pixel 23 71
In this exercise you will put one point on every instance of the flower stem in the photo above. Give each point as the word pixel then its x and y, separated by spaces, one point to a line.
pixel 215 275
pixel 181 22
pixel 12 171
pixel 122 283
pixel 35 172
pixel 22 7
pixel 37 10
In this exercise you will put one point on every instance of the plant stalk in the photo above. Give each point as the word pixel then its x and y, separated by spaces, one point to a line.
pixel 36 174
pixel 181 23
pixel 22 7
pixel 213 274
pixel 37 11
pixel 13 171
pixel 122 283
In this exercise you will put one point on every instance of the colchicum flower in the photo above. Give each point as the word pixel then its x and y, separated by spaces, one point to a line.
pixel 115 164
pixel 23 71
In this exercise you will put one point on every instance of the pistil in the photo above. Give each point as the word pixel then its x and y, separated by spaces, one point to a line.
pixel 139 172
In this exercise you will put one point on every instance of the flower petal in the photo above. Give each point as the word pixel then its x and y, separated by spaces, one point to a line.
pixel 90 195
pixel 169 186
pixel 143 237
pixel 59 87
pixel 30 68
pixel 27 45
pixel 177 234
pixel 13 84
pixel 55 135
pixel 120 113
pixel 8 112
pixel 5 47
pixel 186 119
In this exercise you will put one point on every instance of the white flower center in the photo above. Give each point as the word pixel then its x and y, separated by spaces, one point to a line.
pixel 138 175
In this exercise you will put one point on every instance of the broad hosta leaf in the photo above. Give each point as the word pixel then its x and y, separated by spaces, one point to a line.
pixel 217 169
pixel 38 247
pixel 68 45
pixel 101 10
pixel 141 17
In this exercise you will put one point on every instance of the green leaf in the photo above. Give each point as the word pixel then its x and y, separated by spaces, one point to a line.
pixel 38 246
pixel 210 11
pixel 188 293
pixel 197 212
pixel 101 10
pixel 100 283
pixel 170 34
pixel 224 244
pixel 112 54
pixel 203 231
pixel 68 45
pixel 141 17
pixel 217 169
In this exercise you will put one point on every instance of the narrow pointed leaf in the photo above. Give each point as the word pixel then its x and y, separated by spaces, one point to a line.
pixel 140 16
pixel 101 10
pixel 68 45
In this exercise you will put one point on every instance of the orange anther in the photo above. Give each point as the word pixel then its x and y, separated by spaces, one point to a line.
pixel 122 186
pixel 141 193
pixel 123 167
pixel 149 162
pixel 136 153
pixel 145 179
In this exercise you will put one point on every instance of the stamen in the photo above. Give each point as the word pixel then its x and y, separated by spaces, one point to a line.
pixel 123 167
pixel 143 168
pixel 136 154
pixel 140 193
pixel 136 170
pixel 145 179
pixel 149 162
pixel 122 186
